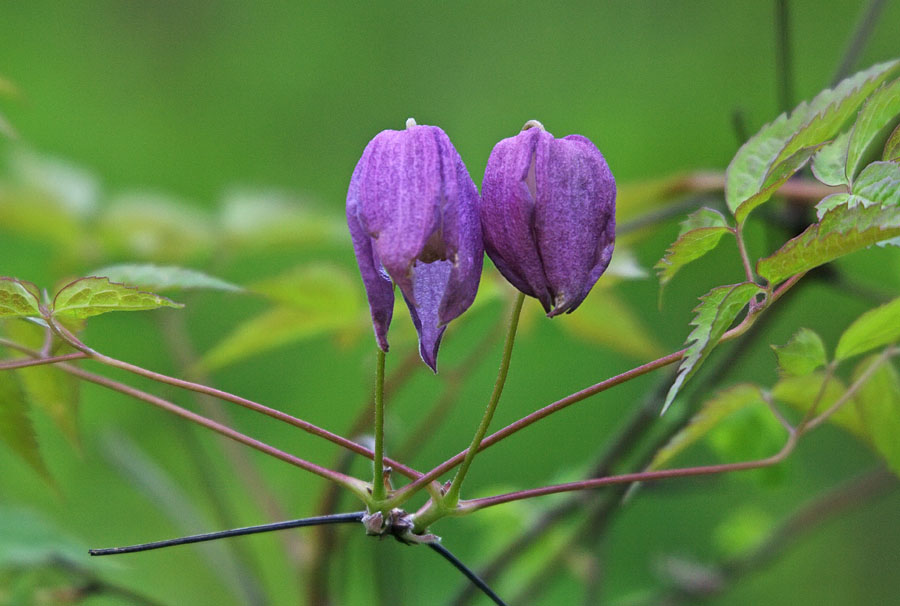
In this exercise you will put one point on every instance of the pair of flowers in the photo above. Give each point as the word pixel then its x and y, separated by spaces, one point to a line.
pixel 545 217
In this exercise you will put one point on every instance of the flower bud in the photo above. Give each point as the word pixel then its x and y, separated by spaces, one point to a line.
pixel 548 215
pixel 413 213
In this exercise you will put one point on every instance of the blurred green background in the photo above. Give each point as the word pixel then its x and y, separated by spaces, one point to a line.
pixel 199 103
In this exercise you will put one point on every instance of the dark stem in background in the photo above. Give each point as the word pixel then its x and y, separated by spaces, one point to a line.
pixel 783 67
pixel 469 574
pixel 858 40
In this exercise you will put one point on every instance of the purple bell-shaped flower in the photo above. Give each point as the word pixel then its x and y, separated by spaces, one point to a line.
pixel 413 213
pixel 548 215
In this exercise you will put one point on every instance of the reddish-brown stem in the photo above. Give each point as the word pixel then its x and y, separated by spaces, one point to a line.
pixel 351 483
pixel 228 397
pixel 646 476
pixel 538 415
pixel 13 364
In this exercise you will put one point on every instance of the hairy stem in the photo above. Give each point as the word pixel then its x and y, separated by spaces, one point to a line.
pixel 452 496
pixel 378 489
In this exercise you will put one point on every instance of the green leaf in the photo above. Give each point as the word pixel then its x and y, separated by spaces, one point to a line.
pixel 808 125
pixel 700 233
pixel 873 126
pixel 312 300
pixel 713 412
pixel 875 328
pixel 161 278
pixel 847 200
pixel 16 430
pixel 803 354
pixel 603 319
pixel 829 165
pixel 777 177
pixel 892 146
pixel 742 531
pixel 18 298
pixel 717 310
pixel 88 297
pixel 841 231
pixel 801 393
pixel 879 182
pixel 878 404
pixel 47 388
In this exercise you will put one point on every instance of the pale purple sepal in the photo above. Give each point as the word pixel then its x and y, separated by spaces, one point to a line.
pixel 548 216
pixel 413 213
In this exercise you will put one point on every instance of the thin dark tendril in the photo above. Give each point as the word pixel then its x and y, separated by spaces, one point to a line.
pixel 339 518
pixel 470 574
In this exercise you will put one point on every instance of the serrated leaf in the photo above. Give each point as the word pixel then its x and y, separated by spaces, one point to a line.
pixel 841 231
pixel 712 412
pixel 876 120
pixel 47 388
pixel 804 353
pixel 92 296
pixel 162 278
pixel 16 430
pixel 834 200
pixel 801 393
pixel 878 404
pixel 879 182
pixel 717 310
pixel 18 298
pixel 829 165
pixel 808 125
pixel 777 177
pixel 875 328
pixel 892 147
pixel 700 233
pixel 604 319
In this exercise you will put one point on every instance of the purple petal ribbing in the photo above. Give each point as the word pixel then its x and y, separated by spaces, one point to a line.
pixel 413 215
pixel 548 216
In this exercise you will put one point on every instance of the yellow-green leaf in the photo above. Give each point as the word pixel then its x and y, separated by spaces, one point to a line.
pixel 712 412
pixel 18 298
pixel 878 405
pixel 803 354
pixel 875 328
pixel 161 278
pixel 802 392
pixel 700 233
pixel 16 430
pixel 91 296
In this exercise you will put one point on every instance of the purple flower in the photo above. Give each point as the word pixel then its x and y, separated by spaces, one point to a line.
pixel 414 219
pixel 548 215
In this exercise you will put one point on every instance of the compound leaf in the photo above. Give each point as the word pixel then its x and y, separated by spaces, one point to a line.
pixel 829 165
pixel 872 128
pixel 803 354
pixel 841 231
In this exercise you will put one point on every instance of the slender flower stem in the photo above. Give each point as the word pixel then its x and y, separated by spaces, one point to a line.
pixel 41 361
pixel 378 489
pixel 228 397
pixel 452 497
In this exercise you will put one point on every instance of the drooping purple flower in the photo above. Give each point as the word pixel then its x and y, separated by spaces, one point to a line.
pixel 548 215
pixel 413 213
